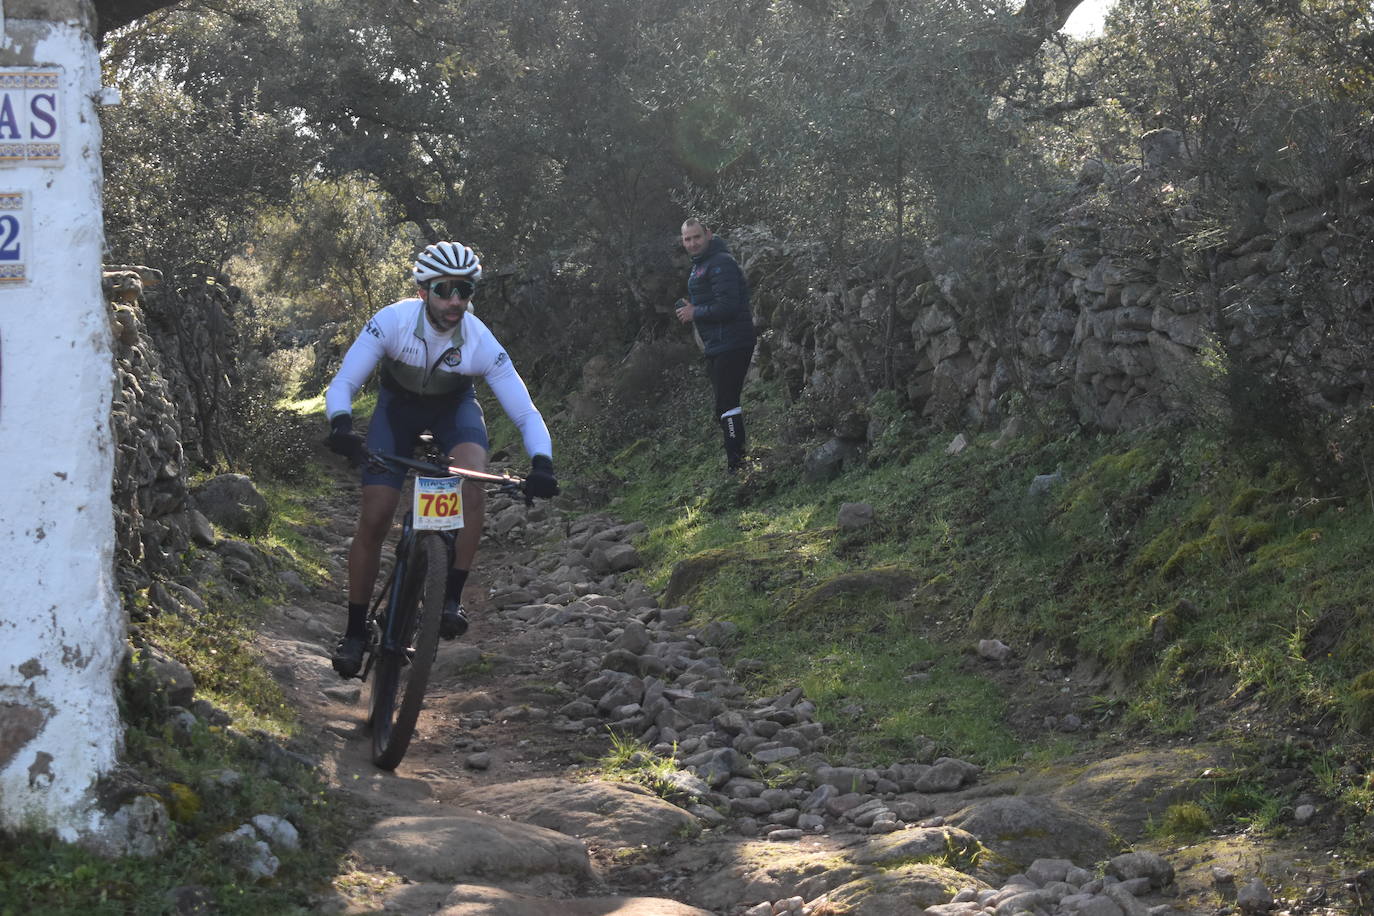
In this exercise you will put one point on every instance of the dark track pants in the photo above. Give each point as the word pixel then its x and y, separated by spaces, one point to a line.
pixel 726 372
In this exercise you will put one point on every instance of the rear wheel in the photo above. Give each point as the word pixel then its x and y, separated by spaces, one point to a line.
pixel 402 672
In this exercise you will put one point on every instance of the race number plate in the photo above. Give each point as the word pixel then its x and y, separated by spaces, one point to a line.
pixel 438 503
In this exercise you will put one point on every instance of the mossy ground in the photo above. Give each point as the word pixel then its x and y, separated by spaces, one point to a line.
pixel 1199 582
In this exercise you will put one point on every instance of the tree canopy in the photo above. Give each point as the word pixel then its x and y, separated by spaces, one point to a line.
pixel 568 138
pixel 543 125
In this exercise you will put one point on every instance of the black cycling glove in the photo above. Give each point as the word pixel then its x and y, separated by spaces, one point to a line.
pixel 541 483
pixel 342 440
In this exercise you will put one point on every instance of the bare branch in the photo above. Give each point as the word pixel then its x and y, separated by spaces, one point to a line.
pixel 115 13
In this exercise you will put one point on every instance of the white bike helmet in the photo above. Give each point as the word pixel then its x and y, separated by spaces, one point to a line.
pixel 447 259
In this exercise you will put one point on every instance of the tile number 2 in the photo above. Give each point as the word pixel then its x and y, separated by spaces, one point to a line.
pixel 9 238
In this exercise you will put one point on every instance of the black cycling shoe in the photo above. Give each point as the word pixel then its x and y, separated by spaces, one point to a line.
pixel 348 657
pixel 454 621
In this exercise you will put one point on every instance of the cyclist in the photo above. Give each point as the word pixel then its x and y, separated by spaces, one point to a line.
pixel 429 350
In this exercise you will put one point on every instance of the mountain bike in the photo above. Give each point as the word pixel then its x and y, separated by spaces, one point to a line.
pixel 403 622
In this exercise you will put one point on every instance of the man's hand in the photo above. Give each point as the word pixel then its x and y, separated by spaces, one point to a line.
pixel 541 483
pixel 685 311
pixel 343 441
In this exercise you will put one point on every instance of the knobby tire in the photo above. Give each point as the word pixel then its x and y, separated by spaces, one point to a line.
pixel 398 686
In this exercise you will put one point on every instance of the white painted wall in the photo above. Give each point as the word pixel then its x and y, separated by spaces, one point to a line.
pixel 61 629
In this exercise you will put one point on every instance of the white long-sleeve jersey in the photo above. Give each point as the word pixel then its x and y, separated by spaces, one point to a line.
pixel 425 361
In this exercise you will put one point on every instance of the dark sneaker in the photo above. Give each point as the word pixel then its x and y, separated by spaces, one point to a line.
pixel 454 621
pixel 348 657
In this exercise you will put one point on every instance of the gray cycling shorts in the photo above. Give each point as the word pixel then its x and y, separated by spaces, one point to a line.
pixel 398 421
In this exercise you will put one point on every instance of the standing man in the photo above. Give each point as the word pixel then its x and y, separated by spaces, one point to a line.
pixel 430 349
pixel 718 307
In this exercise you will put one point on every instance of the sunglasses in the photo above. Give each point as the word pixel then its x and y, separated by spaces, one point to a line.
pixel 464 289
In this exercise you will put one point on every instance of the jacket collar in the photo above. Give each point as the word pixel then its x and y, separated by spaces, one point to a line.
pixel 421 320
pixel 715 246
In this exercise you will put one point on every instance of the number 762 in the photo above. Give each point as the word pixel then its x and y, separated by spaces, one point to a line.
pixel 442 505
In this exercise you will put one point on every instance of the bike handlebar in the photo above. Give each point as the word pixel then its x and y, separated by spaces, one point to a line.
pixel 506 483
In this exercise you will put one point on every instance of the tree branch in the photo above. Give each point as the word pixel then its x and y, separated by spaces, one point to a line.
pixel 1054 111
pixel 115 13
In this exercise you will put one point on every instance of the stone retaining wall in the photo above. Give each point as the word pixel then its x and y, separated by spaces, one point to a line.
pixel 176 361
pixel 1116 304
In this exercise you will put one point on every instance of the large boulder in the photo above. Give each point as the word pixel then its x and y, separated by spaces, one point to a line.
pixel 1019 829
pixel 612 815
pixel 233 503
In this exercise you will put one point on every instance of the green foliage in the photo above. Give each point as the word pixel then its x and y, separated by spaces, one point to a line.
pixel 658 390
pixel 868 123
pixel 217 648
pixel 1184 821
pixel 294 504
pixel 47 877
pixel 1245 802
pixel 216 643
pixel 322 148
pixel 839 600
pixel 333 253
pixel 1228 559
pixel 275 443
pixel 1359 704
pixel 896 438
pixel 183 174
pixel 1257 87
pixel 328 150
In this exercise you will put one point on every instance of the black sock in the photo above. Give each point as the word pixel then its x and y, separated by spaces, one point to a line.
pixel 457 578
pixel 357 620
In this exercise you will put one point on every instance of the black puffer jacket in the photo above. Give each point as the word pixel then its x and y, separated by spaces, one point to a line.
pixel 720 300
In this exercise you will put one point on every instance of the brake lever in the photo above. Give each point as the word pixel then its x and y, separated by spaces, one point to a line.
pixel 518 490
pixel 375 464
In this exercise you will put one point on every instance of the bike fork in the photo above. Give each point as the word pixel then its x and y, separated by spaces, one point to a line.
pixel 390 640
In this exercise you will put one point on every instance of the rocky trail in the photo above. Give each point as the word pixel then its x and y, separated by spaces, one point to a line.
pixel 498 808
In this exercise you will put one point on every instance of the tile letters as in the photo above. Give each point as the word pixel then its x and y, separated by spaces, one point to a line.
pixel 30 116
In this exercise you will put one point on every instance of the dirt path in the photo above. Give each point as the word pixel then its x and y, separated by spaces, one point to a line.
pixel 487 725
pixel 493 812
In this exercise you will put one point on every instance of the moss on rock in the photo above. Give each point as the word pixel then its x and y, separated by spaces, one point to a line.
pixel 841 593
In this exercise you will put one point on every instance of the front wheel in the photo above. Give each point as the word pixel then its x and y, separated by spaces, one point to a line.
pixel 402 670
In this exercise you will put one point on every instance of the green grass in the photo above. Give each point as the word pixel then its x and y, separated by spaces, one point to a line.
pixel 1185 821
pixel 39 877
pixel 960 712
pixel 294 507
pixel 311 406
pixel 217 648
pixel 627 760
pixel 1173 560
pixel 217 644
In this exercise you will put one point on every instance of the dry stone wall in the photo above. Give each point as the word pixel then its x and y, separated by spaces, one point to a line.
pixel 1114 303
pixel 176 358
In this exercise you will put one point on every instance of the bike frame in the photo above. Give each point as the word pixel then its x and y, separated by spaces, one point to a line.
pixel 404 649
pixel 391 591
